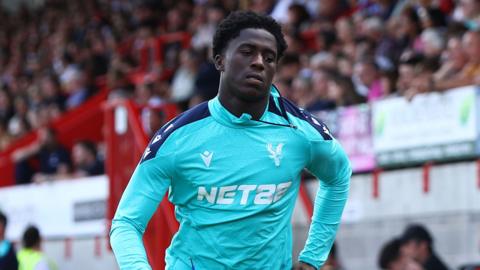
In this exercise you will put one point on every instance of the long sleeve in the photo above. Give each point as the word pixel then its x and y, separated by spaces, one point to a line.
pixel 145 191
pixel 331 166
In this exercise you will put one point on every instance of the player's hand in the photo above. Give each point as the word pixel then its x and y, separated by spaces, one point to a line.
pixel 303 266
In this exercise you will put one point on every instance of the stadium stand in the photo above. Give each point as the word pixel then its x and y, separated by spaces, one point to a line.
pixel 388 77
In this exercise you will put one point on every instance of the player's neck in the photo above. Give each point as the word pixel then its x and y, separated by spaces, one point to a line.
pixel 238 107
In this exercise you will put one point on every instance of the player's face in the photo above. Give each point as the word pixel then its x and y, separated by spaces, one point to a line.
pixel 248 65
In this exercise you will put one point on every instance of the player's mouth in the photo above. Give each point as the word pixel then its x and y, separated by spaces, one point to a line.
pixel 254 78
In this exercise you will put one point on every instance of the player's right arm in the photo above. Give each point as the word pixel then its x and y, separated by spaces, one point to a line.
pixel 145 191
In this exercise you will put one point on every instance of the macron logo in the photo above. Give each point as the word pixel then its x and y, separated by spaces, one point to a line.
pixel 207 158
pixel 276 154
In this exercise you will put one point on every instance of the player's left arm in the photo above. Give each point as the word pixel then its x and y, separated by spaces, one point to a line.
pixel 331 166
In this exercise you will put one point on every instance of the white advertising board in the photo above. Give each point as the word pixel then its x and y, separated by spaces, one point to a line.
pixel 65 208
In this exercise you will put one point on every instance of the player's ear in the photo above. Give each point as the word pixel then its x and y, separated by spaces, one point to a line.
pixel 219 62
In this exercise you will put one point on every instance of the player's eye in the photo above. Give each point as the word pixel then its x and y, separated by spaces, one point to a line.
pixel 246 52
pixel 269 59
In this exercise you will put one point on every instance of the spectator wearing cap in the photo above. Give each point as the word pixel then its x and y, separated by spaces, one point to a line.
pixel 417 243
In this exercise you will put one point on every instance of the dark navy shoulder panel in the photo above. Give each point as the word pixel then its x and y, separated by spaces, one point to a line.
pixel 308 117
pixel 197 113
pixel 272 106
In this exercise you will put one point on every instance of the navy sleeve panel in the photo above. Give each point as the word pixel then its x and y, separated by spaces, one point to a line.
pixel 197 113
pixel 308 117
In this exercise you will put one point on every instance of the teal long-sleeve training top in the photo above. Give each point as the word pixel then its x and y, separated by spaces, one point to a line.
pixel 234 183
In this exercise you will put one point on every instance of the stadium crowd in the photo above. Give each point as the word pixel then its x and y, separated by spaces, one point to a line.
pixel 340 53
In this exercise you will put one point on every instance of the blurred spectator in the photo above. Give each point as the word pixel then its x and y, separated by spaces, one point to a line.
pixel 392 258
pixel 409 28
pixel 288 67
pixel 367 81
pixel 262 6
pixel 297 17
pixel 300 92
pixel 206 83
pixel 85 159
pixel 407 72
pixel 8 259
pixel 417 243
pixel 6 108
pixel 204 23
pixel 75 88
pixel 468 12
pixel 183 82
pixel 432 43
pixel 18 124
pixel 341 90
pixel 317 99
pixel 287 70
pixel 154 117
pixel 345 32
pixel 53 159
pixel 331 10
pixel 454 60
pixel 471 70
pixel 31 257
pixel 50 92
pixel 422 82
pixel 5 137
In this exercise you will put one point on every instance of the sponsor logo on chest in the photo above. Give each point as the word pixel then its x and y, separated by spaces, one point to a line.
pixel 240 194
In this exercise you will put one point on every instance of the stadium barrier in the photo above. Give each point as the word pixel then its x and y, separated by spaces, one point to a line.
pixel 397 133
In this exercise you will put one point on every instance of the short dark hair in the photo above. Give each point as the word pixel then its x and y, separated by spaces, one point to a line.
pixel 231 26
pixel 3 219
pixel 389 253
pixel 418 233
pixel 31 237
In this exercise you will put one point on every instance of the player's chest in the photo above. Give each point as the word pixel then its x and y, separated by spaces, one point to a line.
pixel 241 157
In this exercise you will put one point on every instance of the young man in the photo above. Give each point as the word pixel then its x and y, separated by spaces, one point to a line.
pixel 232 166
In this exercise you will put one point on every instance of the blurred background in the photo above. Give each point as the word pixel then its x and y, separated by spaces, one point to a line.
pixel 84 84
